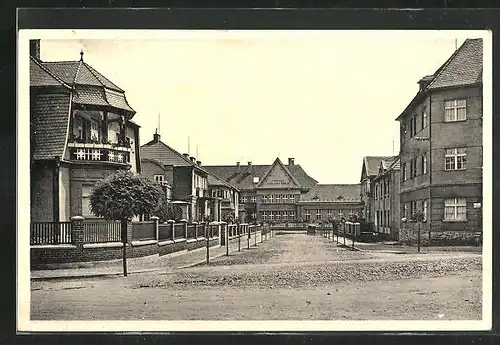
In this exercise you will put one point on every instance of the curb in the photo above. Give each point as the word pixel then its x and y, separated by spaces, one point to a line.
pixel 91 275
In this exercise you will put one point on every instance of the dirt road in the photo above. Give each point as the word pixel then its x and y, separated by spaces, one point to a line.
pixel 287 278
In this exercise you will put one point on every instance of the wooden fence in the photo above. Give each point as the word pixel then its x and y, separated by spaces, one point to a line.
pixel 98 231
pixel 42 233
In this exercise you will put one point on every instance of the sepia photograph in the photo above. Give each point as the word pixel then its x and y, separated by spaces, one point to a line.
pixel 232 180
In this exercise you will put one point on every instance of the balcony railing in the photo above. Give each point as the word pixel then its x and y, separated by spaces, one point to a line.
pixel 91 152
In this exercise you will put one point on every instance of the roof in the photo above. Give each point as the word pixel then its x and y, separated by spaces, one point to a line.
pixel 389 166
pixel 277 162
pixel 242 179
pixel 371 164
pixel 166 155
pixel 216 181
pixel 463 68
pixel 40 76
pixel 333 193
pixel 90 86
pixel 49 116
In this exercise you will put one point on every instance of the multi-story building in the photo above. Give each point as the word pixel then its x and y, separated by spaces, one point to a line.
pixel 369 171
pixel 266 191
pixel 441 145
pixel 81 130
pixel 225 199
pixel 185 175
pixel 386 209
pixel 327 202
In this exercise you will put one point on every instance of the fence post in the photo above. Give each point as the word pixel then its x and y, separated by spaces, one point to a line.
pixel 224 226
pixel 185 225
pixel 255 234
pixel 171 222
pixel 238 231
pixel 77 232
pixel 248 235
pixel 157 227
pixel 195 229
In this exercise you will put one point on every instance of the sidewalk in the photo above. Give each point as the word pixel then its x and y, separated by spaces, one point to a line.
pixel 166 263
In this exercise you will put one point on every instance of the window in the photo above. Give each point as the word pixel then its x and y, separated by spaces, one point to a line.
pixel 413 207
pixel 94 130
pixel 330 212
pixel 425 119
pixel 256 179
pixel 455 159
pixel 264 198
pixel 424 208
pixel 413 126
pixel 271 198
pixel 78 128
pixel 455 209
pixel 243 199
pixel 264 215
pixel 424 164
pixel 403 169
pixel 291 214
pixel 318 214
pixel 86 191
pixel 278 198
pixel 405 211
pixel 308 215
pixel 252 199
pixel 271 215
pixel 278 215
pixel 414 171
pixel 159 178
pixel 284 215
pixel 455 110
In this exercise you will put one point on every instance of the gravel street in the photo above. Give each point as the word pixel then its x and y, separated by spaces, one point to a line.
pixel 291 276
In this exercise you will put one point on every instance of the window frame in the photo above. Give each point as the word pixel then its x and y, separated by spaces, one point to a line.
pixel 455 107
pixel 455 155
pixel 455 203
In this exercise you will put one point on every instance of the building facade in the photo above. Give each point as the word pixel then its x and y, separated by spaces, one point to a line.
pixel 325 203
pixel 369 170
pixel 225 199
pixel 386 206
pixel 441 146
pixel 267 192
pixel 81 131
pixel 185 175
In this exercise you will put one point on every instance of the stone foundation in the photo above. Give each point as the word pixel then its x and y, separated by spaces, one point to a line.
pixel 440 238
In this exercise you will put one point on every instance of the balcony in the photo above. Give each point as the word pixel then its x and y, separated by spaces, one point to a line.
pixel 96 152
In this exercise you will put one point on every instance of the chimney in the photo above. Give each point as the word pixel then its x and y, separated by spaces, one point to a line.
pixel 35 48
pixel 192 159
pixel 249 167
pixel 290 161
pixel 198 162
pixel 186 155
pixel 237 167
pixel 425 81
pixel 156 137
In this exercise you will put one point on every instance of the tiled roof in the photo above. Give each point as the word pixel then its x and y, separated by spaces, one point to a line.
pixel 396 164
pixel 244 179
pixel 464 67
pixel 166 155
pixel 390 165
pixel 216 181
pixel 89 95
pixel 79 72
pixel 39 76
pixel 49 116
pixel 91 87
pixel 372 163
pixel 333 193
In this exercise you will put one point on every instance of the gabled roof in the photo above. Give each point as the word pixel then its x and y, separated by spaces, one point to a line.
pixel 463 68
pixel 216 181
pixel 333 193
pixel 40 76
pixel 277 162
pixel 242 178
pixel 371 164
pixel 49 116
pixel 166 155
pixel 387 166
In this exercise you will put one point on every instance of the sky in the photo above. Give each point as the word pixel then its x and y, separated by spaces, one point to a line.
pixel 326 100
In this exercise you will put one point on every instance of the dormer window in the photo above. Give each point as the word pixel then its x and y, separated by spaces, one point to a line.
pixel 256 179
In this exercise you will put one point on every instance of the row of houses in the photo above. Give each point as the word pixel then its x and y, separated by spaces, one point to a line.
pixel 439 167
pixel 82 129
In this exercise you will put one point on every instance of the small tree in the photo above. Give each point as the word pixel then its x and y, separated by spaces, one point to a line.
pixel 228 217
pixel 418 217
pixel 122 196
